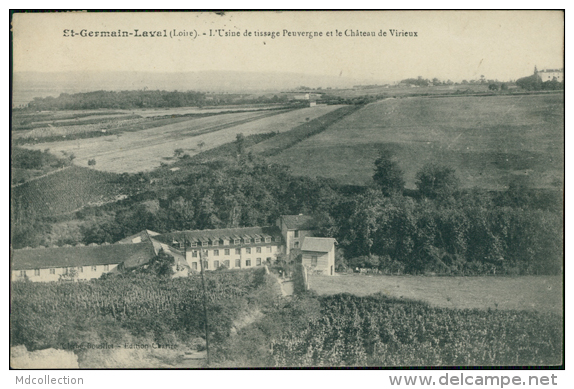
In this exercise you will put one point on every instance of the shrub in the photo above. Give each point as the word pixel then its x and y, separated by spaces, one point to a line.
pixel 436 181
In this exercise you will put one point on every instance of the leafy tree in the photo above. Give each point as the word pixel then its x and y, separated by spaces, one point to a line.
pixel 388 176
pixel 91 162
pixel 240 143
pixel 363 224
pixel 530 83
pixel 341 263
pixel 436 182
pixel 161 265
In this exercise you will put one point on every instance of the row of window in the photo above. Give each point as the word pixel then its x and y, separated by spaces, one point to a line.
pixel 258 250
pixel 227 263
pixel 227 242
pixel 65 270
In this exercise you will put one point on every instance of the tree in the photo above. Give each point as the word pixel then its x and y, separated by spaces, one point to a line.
pixel 161 265
pixel 530 83
pixel 240 143
pixel 363 225
pixel 91 162
pixel 341 263
pixel 492 86
pixel 436 181
pixel 200 144
pixel 179 152
pixel 388 176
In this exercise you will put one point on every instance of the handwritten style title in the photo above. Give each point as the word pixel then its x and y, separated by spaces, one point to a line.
pixel 223 33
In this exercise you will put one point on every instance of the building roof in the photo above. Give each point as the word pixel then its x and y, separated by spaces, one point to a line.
pixel 218 234
pixel 130 254
pixel 142 236
pixel 299 222
pixel 322 245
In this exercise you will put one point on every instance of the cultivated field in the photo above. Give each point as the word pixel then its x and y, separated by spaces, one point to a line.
pixel 488 140
pixel 145 149
pixel 533 293
pixel 65 190
pixel 199 111
pixel 279 143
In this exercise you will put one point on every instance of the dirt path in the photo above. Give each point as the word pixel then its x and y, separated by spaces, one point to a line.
pixel 287 287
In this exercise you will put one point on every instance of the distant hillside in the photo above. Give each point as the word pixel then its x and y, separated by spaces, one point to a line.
pixel 27 85
pixel 64 191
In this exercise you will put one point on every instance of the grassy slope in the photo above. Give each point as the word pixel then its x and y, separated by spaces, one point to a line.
pixel 65 191
pixel 540 293
pixel 489 140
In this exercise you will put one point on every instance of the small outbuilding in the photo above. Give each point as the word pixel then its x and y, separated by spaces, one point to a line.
pixel 318 255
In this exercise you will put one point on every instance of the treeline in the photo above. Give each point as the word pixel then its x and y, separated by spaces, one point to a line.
pixel 219 194
pixel 144 99
pixel 437 228
pixel 442 229
pixel 118 100
pixel 468 235
pixel 358 100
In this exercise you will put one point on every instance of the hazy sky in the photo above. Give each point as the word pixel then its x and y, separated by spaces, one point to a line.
pixel 449 45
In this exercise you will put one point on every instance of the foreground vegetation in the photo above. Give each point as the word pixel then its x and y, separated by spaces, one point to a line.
pixel 251 325
pixel 346 330
pixel 140 306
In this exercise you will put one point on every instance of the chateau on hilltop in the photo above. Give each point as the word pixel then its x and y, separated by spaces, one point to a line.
pixel 550 74
pixel 231 248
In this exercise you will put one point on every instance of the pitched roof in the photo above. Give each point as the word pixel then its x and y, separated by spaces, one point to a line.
pixel 322 245
pixel 142 236
pixel 299 222
pixel 130 254
pixel 221 233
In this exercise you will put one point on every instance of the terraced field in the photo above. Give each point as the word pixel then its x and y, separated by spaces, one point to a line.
pixel 488 140
pixel 145 149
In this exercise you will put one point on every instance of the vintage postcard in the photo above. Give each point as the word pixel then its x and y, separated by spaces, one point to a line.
pixel 270 189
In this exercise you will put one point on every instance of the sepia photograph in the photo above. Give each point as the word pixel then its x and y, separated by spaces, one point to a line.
pixel 287 189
